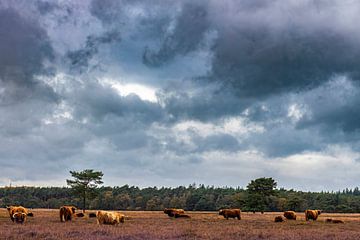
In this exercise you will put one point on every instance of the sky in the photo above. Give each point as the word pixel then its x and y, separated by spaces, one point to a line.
pixel 169 93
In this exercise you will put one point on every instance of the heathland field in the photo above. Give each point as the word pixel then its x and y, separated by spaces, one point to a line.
pixel 203 225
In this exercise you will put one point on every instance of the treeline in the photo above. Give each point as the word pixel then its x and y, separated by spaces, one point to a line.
pixel 201 198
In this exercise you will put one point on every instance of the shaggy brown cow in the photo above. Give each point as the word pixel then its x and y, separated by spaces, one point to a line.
pixel 66 213
pixel 230 213
pixel 329 220
pixel 112 218
pixel 312 214
pixel 291 215
pixel 18 214
pixel 278 219
pixel 171 212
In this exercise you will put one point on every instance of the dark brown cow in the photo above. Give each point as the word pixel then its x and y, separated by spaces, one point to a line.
pixel 230 213
pixel 312 214
pixel 291 215
pixel 66 213
pixel 171 212
pixel 278 219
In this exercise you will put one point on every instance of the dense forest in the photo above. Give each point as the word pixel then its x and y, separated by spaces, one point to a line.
pixel 259 195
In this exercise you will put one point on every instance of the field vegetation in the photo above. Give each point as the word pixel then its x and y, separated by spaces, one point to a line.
pixel 203 225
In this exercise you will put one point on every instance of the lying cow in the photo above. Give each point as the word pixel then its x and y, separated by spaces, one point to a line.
pixel 278 219
pixel 329 220
pixel 312 214
pixel 19 214
pixel 111 218
pixel 171 212
pixel 230 213
pixel 290 215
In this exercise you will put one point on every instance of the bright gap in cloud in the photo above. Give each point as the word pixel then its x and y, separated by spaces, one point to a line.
pixel 144 92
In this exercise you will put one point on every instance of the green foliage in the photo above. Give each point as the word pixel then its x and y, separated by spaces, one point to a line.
pixel 85 184
pixel 202 198
pixel 259 193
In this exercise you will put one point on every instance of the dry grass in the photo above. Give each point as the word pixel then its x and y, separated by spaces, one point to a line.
pixel 202 225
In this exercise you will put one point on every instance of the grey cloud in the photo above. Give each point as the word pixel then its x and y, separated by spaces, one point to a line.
pixel 97 102
pixel 208 61
pixel 191 26
pixel 333 106
pixel 45 7
pixel 79 59
pixel 220 142
pixel 24 48
pixel 201 101
pixel 259 64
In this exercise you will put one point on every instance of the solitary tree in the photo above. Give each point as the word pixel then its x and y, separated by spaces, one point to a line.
pixel 85 183
pixel 259 191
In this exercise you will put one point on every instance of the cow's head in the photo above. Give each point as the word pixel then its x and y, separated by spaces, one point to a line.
pixel 221 212
pixel 19 217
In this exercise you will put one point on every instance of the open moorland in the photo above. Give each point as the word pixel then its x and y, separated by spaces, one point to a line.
pixel 203 225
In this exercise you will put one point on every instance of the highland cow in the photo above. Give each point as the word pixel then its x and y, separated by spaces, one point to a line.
pixel 312 214
pixel 230 213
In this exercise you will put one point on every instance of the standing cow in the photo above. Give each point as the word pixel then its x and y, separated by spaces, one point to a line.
pixel 312 214
pixel 230 213
pixel 18 214
pixel 66 213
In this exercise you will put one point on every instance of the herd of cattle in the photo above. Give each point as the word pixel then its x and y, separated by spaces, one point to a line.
pixel 19 214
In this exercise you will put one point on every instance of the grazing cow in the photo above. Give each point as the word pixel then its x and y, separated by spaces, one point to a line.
pixel 171 212
pixel 66 213
pixel 92 215
pixel 291 215
pixel 18 214
pixel 278 219
pixel 112 218
pixel 328 220
pixel 230 213
pixel 312 214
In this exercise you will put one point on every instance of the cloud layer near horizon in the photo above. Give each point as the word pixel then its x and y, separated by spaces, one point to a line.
pixel 171 93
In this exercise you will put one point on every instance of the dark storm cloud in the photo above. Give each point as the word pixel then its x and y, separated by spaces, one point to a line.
pixel 24 47
pixel 45 7
pixel 258 62
pixel 97 102
pixel 244 88
pixel 201 101
pixel 79 59
pixel 333 105
pixel 183 39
